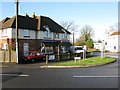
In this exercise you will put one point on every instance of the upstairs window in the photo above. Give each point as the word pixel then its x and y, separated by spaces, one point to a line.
pixel 26 33
pixel 56 35
pixel 65 33
pixel 4 32
pixel 47 32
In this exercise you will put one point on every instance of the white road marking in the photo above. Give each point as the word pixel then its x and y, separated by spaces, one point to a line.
pixel 95 76
pixel 19 75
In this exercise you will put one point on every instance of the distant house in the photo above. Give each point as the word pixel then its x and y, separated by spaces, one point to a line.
pixel 113 42
pixel 35 33
pixel 97 45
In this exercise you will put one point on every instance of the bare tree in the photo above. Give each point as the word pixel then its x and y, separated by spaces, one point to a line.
pixel 114 27
pixel 80 41
pixel 69 25
pixel 87 32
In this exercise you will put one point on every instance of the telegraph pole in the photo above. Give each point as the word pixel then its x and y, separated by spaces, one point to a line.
pixel 73 38
pixel 17 43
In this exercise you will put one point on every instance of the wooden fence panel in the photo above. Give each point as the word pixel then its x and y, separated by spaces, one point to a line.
pixel 7 56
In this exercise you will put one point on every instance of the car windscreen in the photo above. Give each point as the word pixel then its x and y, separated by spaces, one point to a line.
pixel 40 53
pixel 79 48
pixel 36 53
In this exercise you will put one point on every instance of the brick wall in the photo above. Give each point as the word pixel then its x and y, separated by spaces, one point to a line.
pixel 34 44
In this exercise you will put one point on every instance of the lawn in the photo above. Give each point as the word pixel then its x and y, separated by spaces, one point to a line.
pixel 88 61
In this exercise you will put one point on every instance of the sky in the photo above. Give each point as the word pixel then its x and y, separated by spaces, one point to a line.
pixel 99 15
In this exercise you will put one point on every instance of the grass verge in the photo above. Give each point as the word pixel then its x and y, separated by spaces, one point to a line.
pixel 88 61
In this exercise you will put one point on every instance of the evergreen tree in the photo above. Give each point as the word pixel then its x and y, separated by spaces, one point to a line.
pixel 89 43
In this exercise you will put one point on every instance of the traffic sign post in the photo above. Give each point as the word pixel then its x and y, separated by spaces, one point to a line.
pixel 77 58
pixel 85 48
pixel 102 49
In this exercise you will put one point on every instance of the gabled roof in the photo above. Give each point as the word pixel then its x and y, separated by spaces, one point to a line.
pixel 24 23
pixel 115 33
pixel 53 26
pixel 3 21
pixel 37 23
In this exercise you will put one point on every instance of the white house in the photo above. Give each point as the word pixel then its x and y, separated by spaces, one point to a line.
pixel 97 45
pixel 113 40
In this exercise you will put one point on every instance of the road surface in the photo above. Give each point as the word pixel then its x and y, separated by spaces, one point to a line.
pixel 31 76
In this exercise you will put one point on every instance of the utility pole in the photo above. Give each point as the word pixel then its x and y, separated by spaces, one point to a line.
pixel 102 49
pixel 17 42
pixel 73 38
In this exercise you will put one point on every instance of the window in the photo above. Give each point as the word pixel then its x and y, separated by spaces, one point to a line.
pixel 4 46
pixel 63 49
pixel 114 47
pixel 65 33
pixel 4 32
pixel 56 35
pixel 48 49
pixel 47 32
pixel 26 33
pixel 26 49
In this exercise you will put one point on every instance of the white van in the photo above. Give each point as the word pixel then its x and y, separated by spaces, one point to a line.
pixel 76 49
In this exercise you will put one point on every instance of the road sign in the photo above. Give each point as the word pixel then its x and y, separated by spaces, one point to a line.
pixel 51 57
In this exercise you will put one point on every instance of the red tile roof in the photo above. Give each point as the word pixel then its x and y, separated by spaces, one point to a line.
pixel 115 33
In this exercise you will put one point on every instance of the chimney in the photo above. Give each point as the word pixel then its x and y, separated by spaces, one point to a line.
pixel 33 15
pixel 26 15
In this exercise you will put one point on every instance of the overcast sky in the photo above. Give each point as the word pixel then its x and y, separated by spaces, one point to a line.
pixel 99 15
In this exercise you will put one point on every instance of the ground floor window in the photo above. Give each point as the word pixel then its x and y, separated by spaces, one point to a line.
pixel 26 49
pixel 48 49
pixel 4 46
pixel 63 49
pixel 114 47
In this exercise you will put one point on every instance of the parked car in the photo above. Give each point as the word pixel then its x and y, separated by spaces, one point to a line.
pixel 76 49
pixel 34 56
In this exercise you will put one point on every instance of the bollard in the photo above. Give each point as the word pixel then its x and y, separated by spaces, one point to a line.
pixel 58 57
pixel 46 59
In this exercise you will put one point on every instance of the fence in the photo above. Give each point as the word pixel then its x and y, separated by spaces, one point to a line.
pixel 7 56
pixel 65 56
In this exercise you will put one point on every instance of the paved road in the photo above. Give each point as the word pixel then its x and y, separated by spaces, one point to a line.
pixel 34 77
